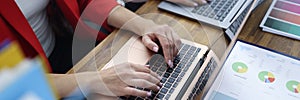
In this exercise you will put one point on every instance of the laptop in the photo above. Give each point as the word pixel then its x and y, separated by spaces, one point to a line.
pixel 193 66
pixel 220 13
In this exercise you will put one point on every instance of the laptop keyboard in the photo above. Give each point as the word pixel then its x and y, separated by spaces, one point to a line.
pixel 236 24
pixel 216 9
pixel 212 64
pixel 170 76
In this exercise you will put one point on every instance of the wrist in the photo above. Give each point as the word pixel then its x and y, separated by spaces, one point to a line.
pixel 140 27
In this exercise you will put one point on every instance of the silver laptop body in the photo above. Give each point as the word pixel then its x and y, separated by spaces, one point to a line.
pixel 220 13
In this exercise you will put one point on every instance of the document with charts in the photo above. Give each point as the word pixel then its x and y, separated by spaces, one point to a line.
pixel 254 73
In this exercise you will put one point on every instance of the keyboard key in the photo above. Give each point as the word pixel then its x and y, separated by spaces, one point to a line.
pixel 167 85
pixel 177 70
pixel 160 60
pixel 159 73
pixel 169 70
pixel 160 96
pixel 181 65
pixel 171 80
pixel 157 64
pixel 194 90
pixel 167 96
pixel 162 69
pixel 174 75
pixel 166 75
pixel 178 79
pixel 171 90
pixel 154 69
pixel 163 80
pixel 164 90
pixel 176 61
pixel 175 84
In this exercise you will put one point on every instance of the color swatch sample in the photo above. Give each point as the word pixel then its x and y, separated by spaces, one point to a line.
pixel 293 86
pixel 266 77
pixel 283 18
pixel 239 67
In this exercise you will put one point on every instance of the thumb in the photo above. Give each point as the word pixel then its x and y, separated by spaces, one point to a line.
pixel 148 42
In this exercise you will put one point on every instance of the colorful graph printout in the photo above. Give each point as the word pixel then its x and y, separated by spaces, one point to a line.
pixel 283 18
pixel 239 67
pixel 293 86
pixel 266 77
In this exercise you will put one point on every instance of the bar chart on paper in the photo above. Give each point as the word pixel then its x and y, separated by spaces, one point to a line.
pixel 283 18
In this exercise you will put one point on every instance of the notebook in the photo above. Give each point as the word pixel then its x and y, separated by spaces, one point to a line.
pixel 220 13
pixel 252 72
pixel 194 65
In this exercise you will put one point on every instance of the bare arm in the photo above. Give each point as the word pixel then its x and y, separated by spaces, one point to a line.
pixel 120 17
pixel 112 82
pixel 63 83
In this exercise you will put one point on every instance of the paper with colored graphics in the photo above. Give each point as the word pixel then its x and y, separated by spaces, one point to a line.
pixel 283 18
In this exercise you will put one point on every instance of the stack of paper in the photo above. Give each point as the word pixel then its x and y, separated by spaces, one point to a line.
pixel 283 18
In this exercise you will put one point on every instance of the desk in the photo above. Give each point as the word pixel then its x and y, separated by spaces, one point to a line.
pixel 251 33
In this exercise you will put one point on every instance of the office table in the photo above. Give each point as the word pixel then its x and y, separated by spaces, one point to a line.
pixel 103 53
pixel 251 32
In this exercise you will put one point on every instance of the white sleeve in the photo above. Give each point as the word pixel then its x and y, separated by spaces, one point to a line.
pixel 121 2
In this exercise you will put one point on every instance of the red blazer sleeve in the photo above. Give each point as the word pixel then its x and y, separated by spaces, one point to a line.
pixel 95 11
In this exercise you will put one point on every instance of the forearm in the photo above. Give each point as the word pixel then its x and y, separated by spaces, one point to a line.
pixel 64 84
pixel 120 17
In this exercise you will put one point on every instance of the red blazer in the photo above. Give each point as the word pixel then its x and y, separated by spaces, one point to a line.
pixel 95 11
pixel 14 26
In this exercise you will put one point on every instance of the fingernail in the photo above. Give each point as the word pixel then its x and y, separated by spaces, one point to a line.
pixel 147 66
pixel 204 1
pixel 160 84
pixel 159 77
pixel 158 87
pixel 155 49
pixel 170 63
pixel 195 4
pixel 148 94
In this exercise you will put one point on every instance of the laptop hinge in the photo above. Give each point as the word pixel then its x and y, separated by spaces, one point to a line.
pixel 191 77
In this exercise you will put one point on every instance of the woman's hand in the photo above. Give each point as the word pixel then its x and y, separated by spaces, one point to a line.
pixel 150 32
pixel 121 80
pixel 168 39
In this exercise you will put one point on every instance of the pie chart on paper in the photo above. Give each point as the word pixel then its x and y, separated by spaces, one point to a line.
pixel 266 77
pixel 293 86
pixel 239 67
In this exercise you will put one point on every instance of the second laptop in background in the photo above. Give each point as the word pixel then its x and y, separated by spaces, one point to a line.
pixel 220 13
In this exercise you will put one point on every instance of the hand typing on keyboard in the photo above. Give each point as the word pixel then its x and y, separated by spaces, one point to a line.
pixel 167 38
pixel 120 80
pixel 190 2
